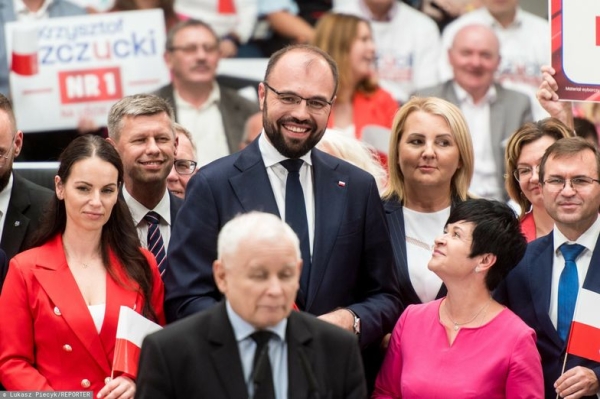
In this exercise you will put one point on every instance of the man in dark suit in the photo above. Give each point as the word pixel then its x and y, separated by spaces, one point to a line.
pixel 21 201
pixel 492 112
pixel 141 129
pixel 258 271
pixel 213 113
pixel 349 278
pixel 542 289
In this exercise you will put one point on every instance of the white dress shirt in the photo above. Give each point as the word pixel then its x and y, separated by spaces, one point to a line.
pixel 278 177
pixel 4 201
pixel 138 211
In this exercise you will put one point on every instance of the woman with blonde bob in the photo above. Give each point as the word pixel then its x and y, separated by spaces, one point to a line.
pixel 360 101
pixel 430 167
pixel 524 152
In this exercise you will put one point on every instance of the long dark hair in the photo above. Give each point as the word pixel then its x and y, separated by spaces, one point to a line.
pixel 119 234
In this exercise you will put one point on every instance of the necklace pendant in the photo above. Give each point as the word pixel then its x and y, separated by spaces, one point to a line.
pixel 456 327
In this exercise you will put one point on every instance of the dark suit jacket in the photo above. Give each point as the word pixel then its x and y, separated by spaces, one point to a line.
pixel 199 358
pixel 526 291
pixel 234 109
pixel 395 219
pixel 176 203
pixel 352 263
pixel 25 208
pixel 508 113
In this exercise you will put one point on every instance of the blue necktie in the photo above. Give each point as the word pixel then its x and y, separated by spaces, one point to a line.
pixel 295 216
pixel 155 241
pixel 568 287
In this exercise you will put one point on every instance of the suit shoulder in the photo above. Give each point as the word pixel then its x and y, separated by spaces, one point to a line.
pixel 431 91
pixel 232 97
pixel 37 193
pixel 183 329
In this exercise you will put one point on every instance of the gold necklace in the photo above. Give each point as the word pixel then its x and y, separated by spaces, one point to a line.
pixel 458 325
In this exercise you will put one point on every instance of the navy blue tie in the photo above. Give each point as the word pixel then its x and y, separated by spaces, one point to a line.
pixel 295 216
pixel 155 241
pixel 568 287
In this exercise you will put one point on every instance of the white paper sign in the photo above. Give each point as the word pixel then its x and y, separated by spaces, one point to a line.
pixel 80 66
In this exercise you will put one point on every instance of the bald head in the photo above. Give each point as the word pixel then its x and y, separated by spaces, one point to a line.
pixel 475 57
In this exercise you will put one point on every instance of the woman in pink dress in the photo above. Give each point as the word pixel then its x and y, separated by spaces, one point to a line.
pixel 466 345
pixel 524 152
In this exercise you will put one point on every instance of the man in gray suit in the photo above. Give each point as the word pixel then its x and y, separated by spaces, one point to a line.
pixel 492 112
pixel 215 115
pixel 21 201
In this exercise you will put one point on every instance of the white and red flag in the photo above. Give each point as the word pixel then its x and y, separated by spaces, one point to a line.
pixel 131 331
pixel 584 339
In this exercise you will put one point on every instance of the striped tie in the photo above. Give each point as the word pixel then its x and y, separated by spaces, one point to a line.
pixel 155 241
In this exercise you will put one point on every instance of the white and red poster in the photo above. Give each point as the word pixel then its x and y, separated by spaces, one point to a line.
pixel 576 48
pixel 66 69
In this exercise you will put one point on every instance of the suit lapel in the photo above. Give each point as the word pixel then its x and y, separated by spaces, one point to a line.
pixel 252 186
pixel 57 281
pixel 225 354
pixel 16 223
pixel 592 278
pixel 497 116
pixel 299 339
pixel 540 281
pixel 330 205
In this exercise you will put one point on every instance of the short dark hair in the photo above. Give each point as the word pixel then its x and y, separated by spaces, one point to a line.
pixel 6 106
pixel 190 23
pixel 586 129
pixel 497 231
pixel 568 147
pixel 307 48
pixel 119 234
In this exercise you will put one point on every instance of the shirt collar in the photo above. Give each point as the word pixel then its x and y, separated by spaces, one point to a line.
pixel 242 329
pixel 517 22
pixel 213 98
pixel 366 11
pixel 22 10
pixel 138 211
pixel 271 156
pixel 5 196
pixel 463 96
pixel 588 239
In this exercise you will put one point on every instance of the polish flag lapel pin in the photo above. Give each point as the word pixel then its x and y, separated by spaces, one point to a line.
pixel 341 183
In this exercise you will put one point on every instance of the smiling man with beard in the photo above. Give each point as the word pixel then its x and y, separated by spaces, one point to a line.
pixel 348 276
pixel 214 114
pixel 21 201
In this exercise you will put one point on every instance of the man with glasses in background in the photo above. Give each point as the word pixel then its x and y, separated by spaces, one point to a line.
pixel 348 275
pixel 215 115
pixel 543 288
pixel 185 163
pixel 21 202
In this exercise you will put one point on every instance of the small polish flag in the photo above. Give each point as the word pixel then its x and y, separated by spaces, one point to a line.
pixel 131 331
pixel 24 50
pixel 584 339
pixel 342 183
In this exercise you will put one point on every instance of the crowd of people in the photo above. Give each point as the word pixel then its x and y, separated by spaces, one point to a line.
pixel 287 255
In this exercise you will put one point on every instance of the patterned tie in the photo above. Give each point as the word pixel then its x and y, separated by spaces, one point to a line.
pixel 155 241
pixel 568 286
pixel 262 376
pixel 295 216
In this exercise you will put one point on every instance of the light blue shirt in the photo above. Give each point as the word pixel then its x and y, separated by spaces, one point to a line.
pixel 278 354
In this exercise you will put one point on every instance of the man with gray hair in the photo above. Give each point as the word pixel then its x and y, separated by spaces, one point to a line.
pixel 283 353
pixel 141 129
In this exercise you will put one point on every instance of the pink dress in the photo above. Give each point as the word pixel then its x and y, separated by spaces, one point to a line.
pixel 497 360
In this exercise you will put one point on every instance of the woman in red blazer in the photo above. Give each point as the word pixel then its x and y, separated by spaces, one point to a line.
pixel 63 297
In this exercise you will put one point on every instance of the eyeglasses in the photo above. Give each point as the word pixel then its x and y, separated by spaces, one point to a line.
pixel 5 154
pixel 525 172
pixel 193 48
pixel 582 183
pixel 185 167
pixel 314 104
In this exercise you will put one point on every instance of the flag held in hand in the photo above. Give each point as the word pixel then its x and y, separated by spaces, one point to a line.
pixel 131 331
pixel 584 339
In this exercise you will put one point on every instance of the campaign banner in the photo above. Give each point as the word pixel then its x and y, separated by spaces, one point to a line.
pixel 66 69
pixel 575 26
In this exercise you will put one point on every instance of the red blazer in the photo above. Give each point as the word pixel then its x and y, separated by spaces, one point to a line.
pixel 377 108
pixel 48 340
pixel 528 227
